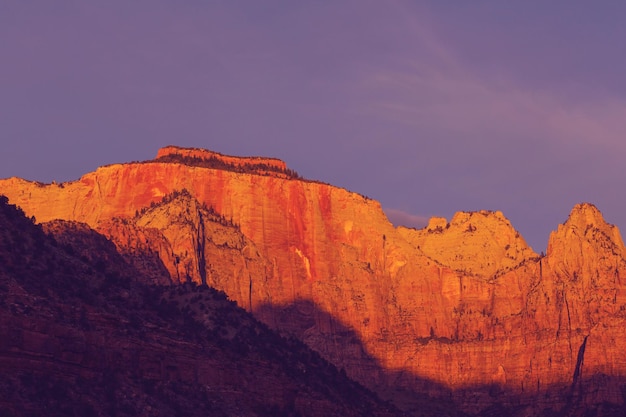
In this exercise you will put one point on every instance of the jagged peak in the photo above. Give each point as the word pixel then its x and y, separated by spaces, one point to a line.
pixel 461 218
pixel 586 223
pixel 482 216
pixel 586 213
pixel 479 242
pixel 584 217
pixel 437 223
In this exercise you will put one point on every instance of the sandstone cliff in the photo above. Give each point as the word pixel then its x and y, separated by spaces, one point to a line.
pixel 462 310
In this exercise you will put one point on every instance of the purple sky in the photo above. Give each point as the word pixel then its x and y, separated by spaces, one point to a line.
pixel 429 107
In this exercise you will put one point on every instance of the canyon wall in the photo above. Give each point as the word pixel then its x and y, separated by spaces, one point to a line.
pixel 461 310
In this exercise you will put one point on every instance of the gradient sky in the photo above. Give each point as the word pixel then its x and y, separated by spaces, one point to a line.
pixel 430 107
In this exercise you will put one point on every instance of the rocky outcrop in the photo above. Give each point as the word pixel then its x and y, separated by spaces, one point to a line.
pixel 195 245
pixel 461 310
pixel 481 243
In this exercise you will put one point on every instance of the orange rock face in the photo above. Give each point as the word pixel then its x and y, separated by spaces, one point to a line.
pixel 463 310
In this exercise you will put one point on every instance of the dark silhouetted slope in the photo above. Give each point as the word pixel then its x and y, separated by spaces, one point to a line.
pixel 79 336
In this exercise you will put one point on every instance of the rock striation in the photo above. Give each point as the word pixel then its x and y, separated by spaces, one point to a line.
pixel 462 311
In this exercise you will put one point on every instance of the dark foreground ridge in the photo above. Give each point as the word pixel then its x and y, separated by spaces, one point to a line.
pixel 81 336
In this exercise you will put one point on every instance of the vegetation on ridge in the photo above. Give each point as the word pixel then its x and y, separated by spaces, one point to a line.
pixel 217 163
pixel 184 193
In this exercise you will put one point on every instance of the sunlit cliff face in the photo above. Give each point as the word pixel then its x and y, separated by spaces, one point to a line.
pixel 461 309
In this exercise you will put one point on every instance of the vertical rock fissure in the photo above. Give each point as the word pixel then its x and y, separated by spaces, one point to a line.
pixel 249 284
pixel 200 243
pixel 384 254
pixel 569 323
pixel 176 260
pixel 558 329
pixel 579 363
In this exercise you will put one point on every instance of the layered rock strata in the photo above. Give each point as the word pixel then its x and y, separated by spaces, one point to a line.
pixel 461 309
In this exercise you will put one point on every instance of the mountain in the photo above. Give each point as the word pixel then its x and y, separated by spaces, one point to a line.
pixel 461 312
pixel 80 336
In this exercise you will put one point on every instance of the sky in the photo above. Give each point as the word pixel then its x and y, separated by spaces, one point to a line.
pixel 430 107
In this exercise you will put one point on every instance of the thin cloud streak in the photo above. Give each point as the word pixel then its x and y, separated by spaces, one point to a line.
pixel 470 105
pixel 402 218
pixel 433 88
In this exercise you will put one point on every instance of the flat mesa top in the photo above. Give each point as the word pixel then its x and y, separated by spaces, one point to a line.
pixel 169 151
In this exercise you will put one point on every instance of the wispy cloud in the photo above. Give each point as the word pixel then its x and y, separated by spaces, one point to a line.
pixel 467 103
pixel 433 88
pixel 402 218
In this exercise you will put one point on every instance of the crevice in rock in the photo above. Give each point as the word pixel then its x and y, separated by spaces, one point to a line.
pixel 569 322
pixel 579 363
pixel 200 243
pixel 250 284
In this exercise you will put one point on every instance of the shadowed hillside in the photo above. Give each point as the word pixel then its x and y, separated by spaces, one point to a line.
pixel 79 336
